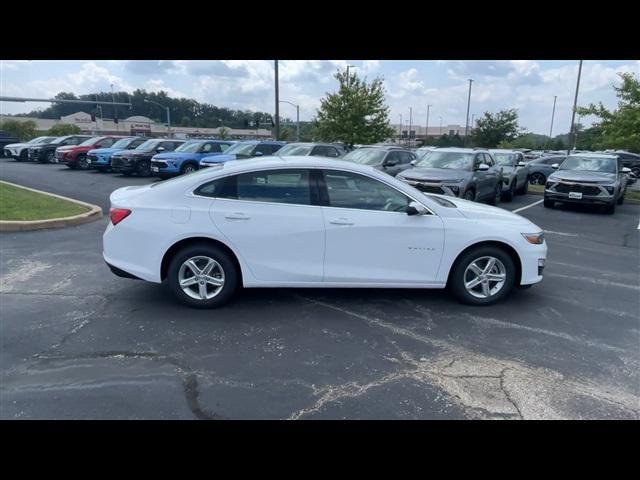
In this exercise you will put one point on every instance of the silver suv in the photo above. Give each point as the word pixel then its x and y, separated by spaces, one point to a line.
pixel 466 173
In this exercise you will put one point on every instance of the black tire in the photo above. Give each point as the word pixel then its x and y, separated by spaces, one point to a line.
pixel 549 203
pixel 610 209
pixel 635 171
pixel 50 158
pixel 537 179
pixel 144 168
pixel 231 275
pixel 497 194
pixel 23 157
pixel 188 168
pixel 509 194
pixel 469 195
pixel 81 162
pixel 457 281
pixel 524 189
pixel 72 166
pixel 621 199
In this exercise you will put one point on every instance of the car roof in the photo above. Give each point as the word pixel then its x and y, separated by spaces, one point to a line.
pixel 504 150
pixel 462 150
pixel 594 155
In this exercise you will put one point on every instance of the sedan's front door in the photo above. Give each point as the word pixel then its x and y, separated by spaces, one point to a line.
pixel 370 239
pixel 268 217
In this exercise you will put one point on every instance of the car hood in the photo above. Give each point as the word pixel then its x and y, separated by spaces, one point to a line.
pixel 220 158
pixel 481 211
pixel 433 174
pixel 66 148
pixel 175 155
pixel 583 176
pixel 18 145
pixel 133 153
pixel 102 151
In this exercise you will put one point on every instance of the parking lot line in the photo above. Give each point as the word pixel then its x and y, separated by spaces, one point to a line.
pixel 527 206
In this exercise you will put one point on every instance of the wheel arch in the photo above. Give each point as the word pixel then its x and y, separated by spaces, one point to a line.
pixel 491 243
pixel 180 244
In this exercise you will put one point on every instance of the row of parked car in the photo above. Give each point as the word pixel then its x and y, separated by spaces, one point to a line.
pixel 475 174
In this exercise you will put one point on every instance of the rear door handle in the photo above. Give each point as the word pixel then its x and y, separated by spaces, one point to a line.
pixel 237 216
pixel 341 221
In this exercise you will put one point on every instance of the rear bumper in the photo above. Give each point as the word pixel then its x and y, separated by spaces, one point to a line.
pixel 121 273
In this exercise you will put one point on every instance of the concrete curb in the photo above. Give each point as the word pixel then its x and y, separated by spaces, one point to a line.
pixel 94 213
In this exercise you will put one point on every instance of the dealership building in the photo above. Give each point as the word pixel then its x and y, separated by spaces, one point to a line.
pixel 141 126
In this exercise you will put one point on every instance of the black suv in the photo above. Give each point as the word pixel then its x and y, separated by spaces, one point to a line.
pixel 312 150
pixel 138 160
pixel 391 160
pixel 46 152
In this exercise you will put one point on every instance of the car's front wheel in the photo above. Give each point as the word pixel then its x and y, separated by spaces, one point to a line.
pixel 537 179
pixel 82 162
pixel 482 276
pixel 188 168
pixel 509 194
pixel 549 203
pixel 496 195
pixel 203 276
pixel 144 168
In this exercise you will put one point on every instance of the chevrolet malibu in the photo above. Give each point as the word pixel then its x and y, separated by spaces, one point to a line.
pixel 314 222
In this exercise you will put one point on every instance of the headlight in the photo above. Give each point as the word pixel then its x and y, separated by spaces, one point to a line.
pixel 534 238
pixel 610 189
pixel 549 184
pixel 454 188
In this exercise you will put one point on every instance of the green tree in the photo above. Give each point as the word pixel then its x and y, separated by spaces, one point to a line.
pixel 356 114
pixel 23 130
pixel 223 133
pixel 63 129
pixel 619 128
pixel 493 128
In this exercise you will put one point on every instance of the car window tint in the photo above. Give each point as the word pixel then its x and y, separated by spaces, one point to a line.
pixel 477 160
pixel 137 143
pixel 264 149
pixel 223 146
pixel 406 157
pixel 280 186
pixel 350 190
pixel 106 143
pixel 488 160
pixel 207 147
pixel 219 188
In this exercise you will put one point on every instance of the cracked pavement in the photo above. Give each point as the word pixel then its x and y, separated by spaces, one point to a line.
pixel 79 343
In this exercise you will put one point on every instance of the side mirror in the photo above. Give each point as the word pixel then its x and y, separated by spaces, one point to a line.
pixel 414 208
pixel 258 154
pixel 483 167
pixel 555 166
pixel 390 162
pixel 413 163
pixel 625 170
pixel 160 149
pixel 521 164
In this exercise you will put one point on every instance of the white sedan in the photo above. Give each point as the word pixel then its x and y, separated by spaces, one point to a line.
pixel 314 222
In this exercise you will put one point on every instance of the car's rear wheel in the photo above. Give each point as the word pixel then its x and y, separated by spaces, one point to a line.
pixel 524 189
pixel 23 157
pixel 188 168
pixel 621 199
pixel 144 168
pixel 549 203
pixel 203 276
pixel 635 171
pixel 482 276
pixel 51 157
pixel 537 179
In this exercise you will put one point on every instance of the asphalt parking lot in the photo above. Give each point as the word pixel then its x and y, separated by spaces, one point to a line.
pixel 80 343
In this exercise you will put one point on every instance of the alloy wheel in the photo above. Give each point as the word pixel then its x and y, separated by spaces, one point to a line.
pixel 201 277
pixel 485 277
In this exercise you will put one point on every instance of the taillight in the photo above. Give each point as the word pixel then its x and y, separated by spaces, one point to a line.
pixel 118 214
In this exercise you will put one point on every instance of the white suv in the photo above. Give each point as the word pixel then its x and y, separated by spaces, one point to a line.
pixel 20 151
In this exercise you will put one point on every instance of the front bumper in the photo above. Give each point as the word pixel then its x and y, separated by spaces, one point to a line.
pixel 164 168
pixel 452 190
pixel 98 163
pixel 123 165
pixel 533 260
pixel 579 193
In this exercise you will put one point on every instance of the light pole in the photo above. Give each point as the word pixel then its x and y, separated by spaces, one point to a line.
pixel 553 113
pixel 115 112
pixel 168 114
pixel 426 130
pixel 400 130
pixel 440 126
pixel 297 118
pixel 466 126
pixel 277 122
pixel 573 115
pixel 349 78
pixel 410 123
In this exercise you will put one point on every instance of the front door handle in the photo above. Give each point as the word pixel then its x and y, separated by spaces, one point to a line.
pixel 341 221
pixel 237 216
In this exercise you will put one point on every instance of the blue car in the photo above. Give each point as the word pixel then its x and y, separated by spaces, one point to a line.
pixel 242 150
pixel 186 158
pixel 100 158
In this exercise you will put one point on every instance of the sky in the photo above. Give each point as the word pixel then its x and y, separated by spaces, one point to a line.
pixel 527 85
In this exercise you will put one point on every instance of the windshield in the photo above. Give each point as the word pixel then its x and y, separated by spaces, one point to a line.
pixel 592 164
pixel 38 140
pixel 295 150
pixel 506 159
pixel 123 143
pixel 452 160
pixel 241 149
pixel 189 147
pixel 90 141
pixel 148 145
pixel 366 156
pixel 59 140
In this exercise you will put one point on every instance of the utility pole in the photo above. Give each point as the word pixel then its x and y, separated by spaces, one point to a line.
pixel 426 130
pixel 297 118
pixel 440 126
pixel 400 130
pixel 277 122
pixel 573 115
pixel 466 127
pixel 553 113
pixel 168 114
pixel 115 112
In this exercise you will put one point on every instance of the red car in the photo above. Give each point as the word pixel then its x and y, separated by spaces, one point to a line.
pixel 75 156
